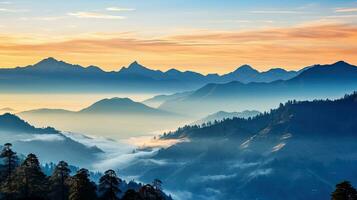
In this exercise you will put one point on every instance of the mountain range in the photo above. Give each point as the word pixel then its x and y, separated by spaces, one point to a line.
pixel 320 81
pixel 296 151
pixel 48 143
pixel 119 106
pixel 53 75
pixel 115 117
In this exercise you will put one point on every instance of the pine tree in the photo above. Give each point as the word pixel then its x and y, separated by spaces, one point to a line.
pixel 344 191
pixel 132 195
pixel 109 186
pixel 29 181
pixel 157 184
pixel 10 162
pixel 59 189
pixel 148 192
pixel 81 187
pixel 9 158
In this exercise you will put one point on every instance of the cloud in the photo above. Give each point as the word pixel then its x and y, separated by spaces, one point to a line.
pixel 95 15
pixel 179 194
pixel 242 165
pixel 260 172
pixel 217 177
pixel 209 178
pixel 278 147
pixel 119 9
pixel 44 138
pixel 275 12
pixel 341 16
pixel 5 2
pixel 346 10
pixel 13 10
pixel 43 18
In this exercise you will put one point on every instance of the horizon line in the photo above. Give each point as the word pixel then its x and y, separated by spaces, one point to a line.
pixel 150 68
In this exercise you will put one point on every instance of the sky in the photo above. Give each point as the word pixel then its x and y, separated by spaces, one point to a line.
pixel 212 36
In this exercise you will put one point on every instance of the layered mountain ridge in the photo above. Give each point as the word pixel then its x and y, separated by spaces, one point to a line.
pixel 63 76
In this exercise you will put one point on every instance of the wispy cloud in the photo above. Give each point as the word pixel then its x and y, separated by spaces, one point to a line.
pixel 44 138
pixel 241 21
pixel 95 15
pixel 341 16
pixel 13 10
pixel 5 2
pixel 44 18
pixel 275 12
pixel 346 10
pixel 118 9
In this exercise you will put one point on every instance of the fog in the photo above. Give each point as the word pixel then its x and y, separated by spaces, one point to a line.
pixel 69 101
pixel 123 126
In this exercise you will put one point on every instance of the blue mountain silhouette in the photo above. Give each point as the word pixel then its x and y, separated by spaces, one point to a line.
pixel 320 81
pixel 49 143
pixel 52 74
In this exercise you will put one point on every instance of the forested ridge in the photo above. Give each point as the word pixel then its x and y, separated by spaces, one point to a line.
pixel 24 179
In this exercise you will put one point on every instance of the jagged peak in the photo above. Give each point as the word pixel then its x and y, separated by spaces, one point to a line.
pixel 136 64
pixel 135 67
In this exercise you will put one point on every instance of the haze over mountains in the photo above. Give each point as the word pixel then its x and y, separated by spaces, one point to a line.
pixel 296 145
pixel 169 111
pixel 115 117
pixel 297 151
pixel 320 81
pixel 53 75
pixel 50 144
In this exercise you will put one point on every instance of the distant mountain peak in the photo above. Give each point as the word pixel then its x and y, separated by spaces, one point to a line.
pixel 116 104
pixel 136 65
pixel 117 99
pixel 173 71
pixel 277 70
pixel 49 60
pixel 245 68
pixel 52 64
pixel 8 116
pixel 342 63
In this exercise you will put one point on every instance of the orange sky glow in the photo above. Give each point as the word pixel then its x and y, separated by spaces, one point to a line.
pixel 202 51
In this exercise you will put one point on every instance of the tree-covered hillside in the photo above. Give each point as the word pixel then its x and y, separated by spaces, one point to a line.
pixel 26 180
pixel 297 151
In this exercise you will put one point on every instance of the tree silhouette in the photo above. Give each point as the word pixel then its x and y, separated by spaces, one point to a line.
pixel 148 192
pixel 9 158
pixel 109 186
pixel 132 195
pixel 157 184
pixel 344 191
pixel 81 187
pixel 10 162
pixel 60 182
pixel 29 181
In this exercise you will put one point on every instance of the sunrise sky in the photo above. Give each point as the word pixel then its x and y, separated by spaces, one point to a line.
pixel 204 36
